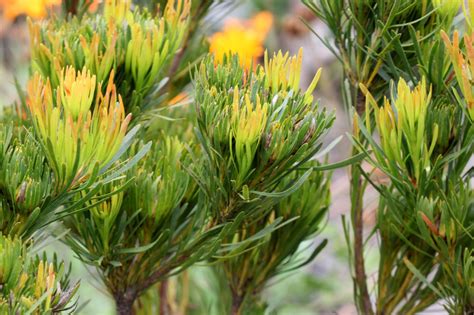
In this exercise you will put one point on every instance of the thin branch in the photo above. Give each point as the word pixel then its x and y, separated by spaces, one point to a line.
pixel 164 297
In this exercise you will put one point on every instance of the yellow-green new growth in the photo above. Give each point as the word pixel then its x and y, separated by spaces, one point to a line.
pixel 463 64
pixel 76 137
pixel 117 10
pixel 104 215
pixel 146 52
pixel 447 8
pixel 468 14
pixel 401 123
pixel 153 42
pixel 131 42
pixel 283 72
pixel 76 92
pixel 248 122
pixel 30 286
pixel 99 57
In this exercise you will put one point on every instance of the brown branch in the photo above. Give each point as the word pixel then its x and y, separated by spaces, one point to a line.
pixel 357 192
pixel 164 297
pixel 159 274
pixel 124 301
pixel 237 301
pixel 73 8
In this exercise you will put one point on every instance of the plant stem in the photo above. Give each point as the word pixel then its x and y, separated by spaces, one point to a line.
pixel 237 302
pixel 357 189
pixel 164 297
pixel 124 302
pixel 402 291
pixel 73 7
pixel 185 295
pixel 357 193
pixel 160 273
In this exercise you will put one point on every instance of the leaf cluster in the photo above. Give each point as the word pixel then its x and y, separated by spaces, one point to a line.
pixel 136 46
pixel 254 129
pixel 301 216
pixel 32 285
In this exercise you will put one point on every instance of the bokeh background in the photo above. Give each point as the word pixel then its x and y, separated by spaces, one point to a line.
pixel 323 287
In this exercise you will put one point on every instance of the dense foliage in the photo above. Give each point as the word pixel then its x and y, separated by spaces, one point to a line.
pixel 145 155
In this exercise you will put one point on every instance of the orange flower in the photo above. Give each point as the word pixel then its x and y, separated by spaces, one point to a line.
pixel 32 8
pixel 262 23
pixel 244 38
pixel 94 5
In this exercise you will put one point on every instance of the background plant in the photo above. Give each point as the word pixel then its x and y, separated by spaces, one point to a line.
pixel 423 143
pixel 408 156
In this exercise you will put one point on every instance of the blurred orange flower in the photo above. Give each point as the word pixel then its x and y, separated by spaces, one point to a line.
pixel 244 38
pixel 94 5
pixel 33 8
pixel 262 23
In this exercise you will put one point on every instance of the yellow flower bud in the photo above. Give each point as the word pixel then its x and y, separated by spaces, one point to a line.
pixel 248 122
pixel 117 10
pixel 401 124
pixel 23 279
pixel 283 72
pixel 69 122
pixel 40 285
pixel 76 91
